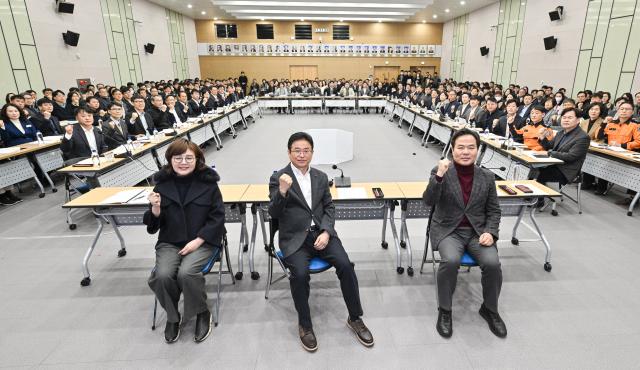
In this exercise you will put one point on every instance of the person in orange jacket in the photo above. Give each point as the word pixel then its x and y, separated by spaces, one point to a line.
pixel 534 129
pixel 622 132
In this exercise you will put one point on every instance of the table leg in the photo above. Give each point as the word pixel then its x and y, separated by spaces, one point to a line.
pixel 243 241
pixel 410 133
pixel 85 261
pixel 405 231
pixel 37 180
pixel 252 245
pixel 633 204
pixel 123 248
pixel 265 240
pixel 401 118
pixel 514 233
pixel 547 258
pixel 399 268
pixel 384 243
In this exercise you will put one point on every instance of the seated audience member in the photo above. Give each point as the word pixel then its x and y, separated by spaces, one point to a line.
pixel 464 108
pixel 158 113
pixel 99 114
pixel 466 218
pixel 525 108
pixel 232 97
pixel 534 129
pixel 182 104
pixel 475 110
pixel 196 107
pixel 60 110
pixel 174 115
pixel 73 103
pixel 45 122
pixel 451 105
pixel 81 139
pixel 592 125
pixel 569 145
pixel 347 90
pixel 114 129
pixel 511 121
pixel 15 128
pixel 139 122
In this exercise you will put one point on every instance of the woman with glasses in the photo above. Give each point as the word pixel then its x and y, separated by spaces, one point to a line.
pixel 186 207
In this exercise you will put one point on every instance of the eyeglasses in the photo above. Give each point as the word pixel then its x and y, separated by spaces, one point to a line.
pixel 180 159
pixel 302 151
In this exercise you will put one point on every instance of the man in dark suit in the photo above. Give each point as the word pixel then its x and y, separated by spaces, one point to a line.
pixel 174 115
pixel 182 104
pixel 214 102
pixel 489 115
pixel 450 107
pixel 465 217
pixel 331 90
pixel 45 122
pixel 244 81
pixel 511 122
pixel 79 141
pixel 302 204
pixel 570 145
pixel 158 113
pixel 139 122
pixel 195 104
pixel 114 129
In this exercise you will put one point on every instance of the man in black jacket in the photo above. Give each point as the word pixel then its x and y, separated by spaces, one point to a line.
pixel 195 104
pixel 489 115
pixel 114 129
pixel 243 80
pixel 139 122
pixel 80 140
pixel 158 113
pixel 45 122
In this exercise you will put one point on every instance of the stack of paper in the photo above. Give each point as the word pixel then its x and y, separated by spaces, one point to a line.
pixel 133 196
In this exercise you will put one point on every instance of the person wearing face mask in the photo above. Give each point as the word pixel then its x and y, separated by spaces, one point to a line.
pixel 465 218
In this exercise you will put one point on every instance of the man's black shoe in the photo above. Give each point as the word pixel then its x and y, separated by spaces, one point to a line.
pixel 172 331
pixel 496 325
pixel 308 339
pixel 203 326
pixel 13 197
pixel 362 332
pixel 444 324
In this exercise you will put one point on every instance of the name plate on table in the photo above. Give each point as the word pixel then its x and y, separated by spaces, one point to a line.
pixel 352 193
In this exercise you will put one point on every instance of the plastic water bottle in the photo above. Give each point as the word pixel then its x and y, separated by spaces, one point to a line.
pixel 39 138
pixel 95 158
pixel 155 135
pixel 486 131
pixel 129 146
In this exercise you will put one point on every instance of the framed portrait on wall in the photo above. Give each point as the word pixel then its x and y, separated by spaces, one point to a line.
pixel 422 49
pixel 227 48
pixel 406 49
pixel 309 48
pixel 431 49
pixel 268 49
pixel 334 49
pixel 414 49
pixel 365 49
pixel 244 48
pixel 326 49
pixel 350 49
pixel 318 49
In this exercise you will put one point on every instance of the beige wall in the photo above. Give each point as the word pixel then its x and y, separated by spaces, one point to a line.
pixel 328 67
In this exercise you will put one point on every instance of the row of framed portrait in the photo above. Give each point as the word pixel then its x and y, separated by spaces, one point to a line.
pixel 244 49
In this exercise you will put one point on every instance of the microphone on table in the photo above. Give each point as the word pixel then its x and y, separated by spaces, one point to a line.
pixel 342 181
pixel 501 168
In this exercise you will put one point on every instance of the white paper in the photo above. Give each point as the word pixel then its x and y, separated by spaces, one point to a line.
pixel 352 193
pixel 616 149
pixel 125 196
pixel 52 138
pixel 9 150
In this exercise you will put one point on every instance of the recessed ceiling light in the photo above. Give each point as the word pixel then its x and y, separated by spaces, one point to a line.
pixel 189 6
pixel 203 12
pixel 262 19
pixel 301 19
pixel 215 18
pixel 342 20
pixel 379 20
pixel 447 10
pixel 423 21
pixel 463 2
pixel 435 16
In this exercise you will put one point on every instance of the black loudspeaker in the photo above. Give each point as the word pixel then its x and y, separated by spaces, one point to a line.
pixel 550 43
pixel 484 51
pixel 71 38
pixel 65 7
pixel 556 15
pixel 148 48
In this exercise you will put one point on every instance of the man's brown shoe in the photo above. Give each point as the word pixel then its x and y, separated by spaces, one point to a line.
pixel 308 339
pixel 362 332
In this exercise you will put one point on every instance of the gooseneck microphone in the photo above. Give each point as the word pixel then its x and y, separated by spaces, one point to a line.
pixel 342 181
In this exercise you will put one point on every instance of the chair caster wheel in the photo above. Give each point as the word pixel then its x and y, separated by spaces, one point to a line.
pixel 234 136
pixel 153 327
pixel 215 324
pixel 245 248
pixel 554 212
pixel 122 252
pixel 410 271
pixel 547 266
pixel 218 148
pixel 238 275
pixel 403 244
pixel 400 270
pixel 515 241
pixel 384 245
pixel 629 213
pixel 221 146
pixel 85 282
pixel 54 190
pixel 255 275
pixel 41 195
pixel 72 226
pixel 266 248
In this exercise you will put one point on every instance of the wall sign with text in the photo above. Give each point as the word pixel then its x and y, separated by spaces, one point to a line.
pixel 329 50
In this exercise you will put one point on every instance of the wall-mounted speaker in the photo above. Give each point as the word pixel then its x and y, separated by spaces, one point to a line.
pixel 556 15
pixel 64 7
pixel 71 38
pixel 484 51
pixel 148 48
pixel 550 43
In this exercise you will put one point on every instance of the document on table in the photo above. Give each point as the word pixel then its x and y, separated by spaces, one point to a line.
pixel 352 193
pixel 133 196
pixel 9 150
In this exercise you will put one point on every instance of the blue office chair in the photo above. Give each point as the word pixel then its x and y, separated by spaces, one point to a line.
pixel 316 265
pixel 465 261
pixel 216 257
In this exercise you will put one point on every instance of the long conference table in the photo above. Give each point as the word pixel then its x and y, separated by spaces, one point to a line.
pixel 145 158
pixel 322 103
pixel 356 203
pixel 18 163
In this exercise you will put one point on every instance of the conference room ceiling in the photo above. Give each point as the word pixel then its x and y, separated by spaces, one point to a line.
pixel 431 11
